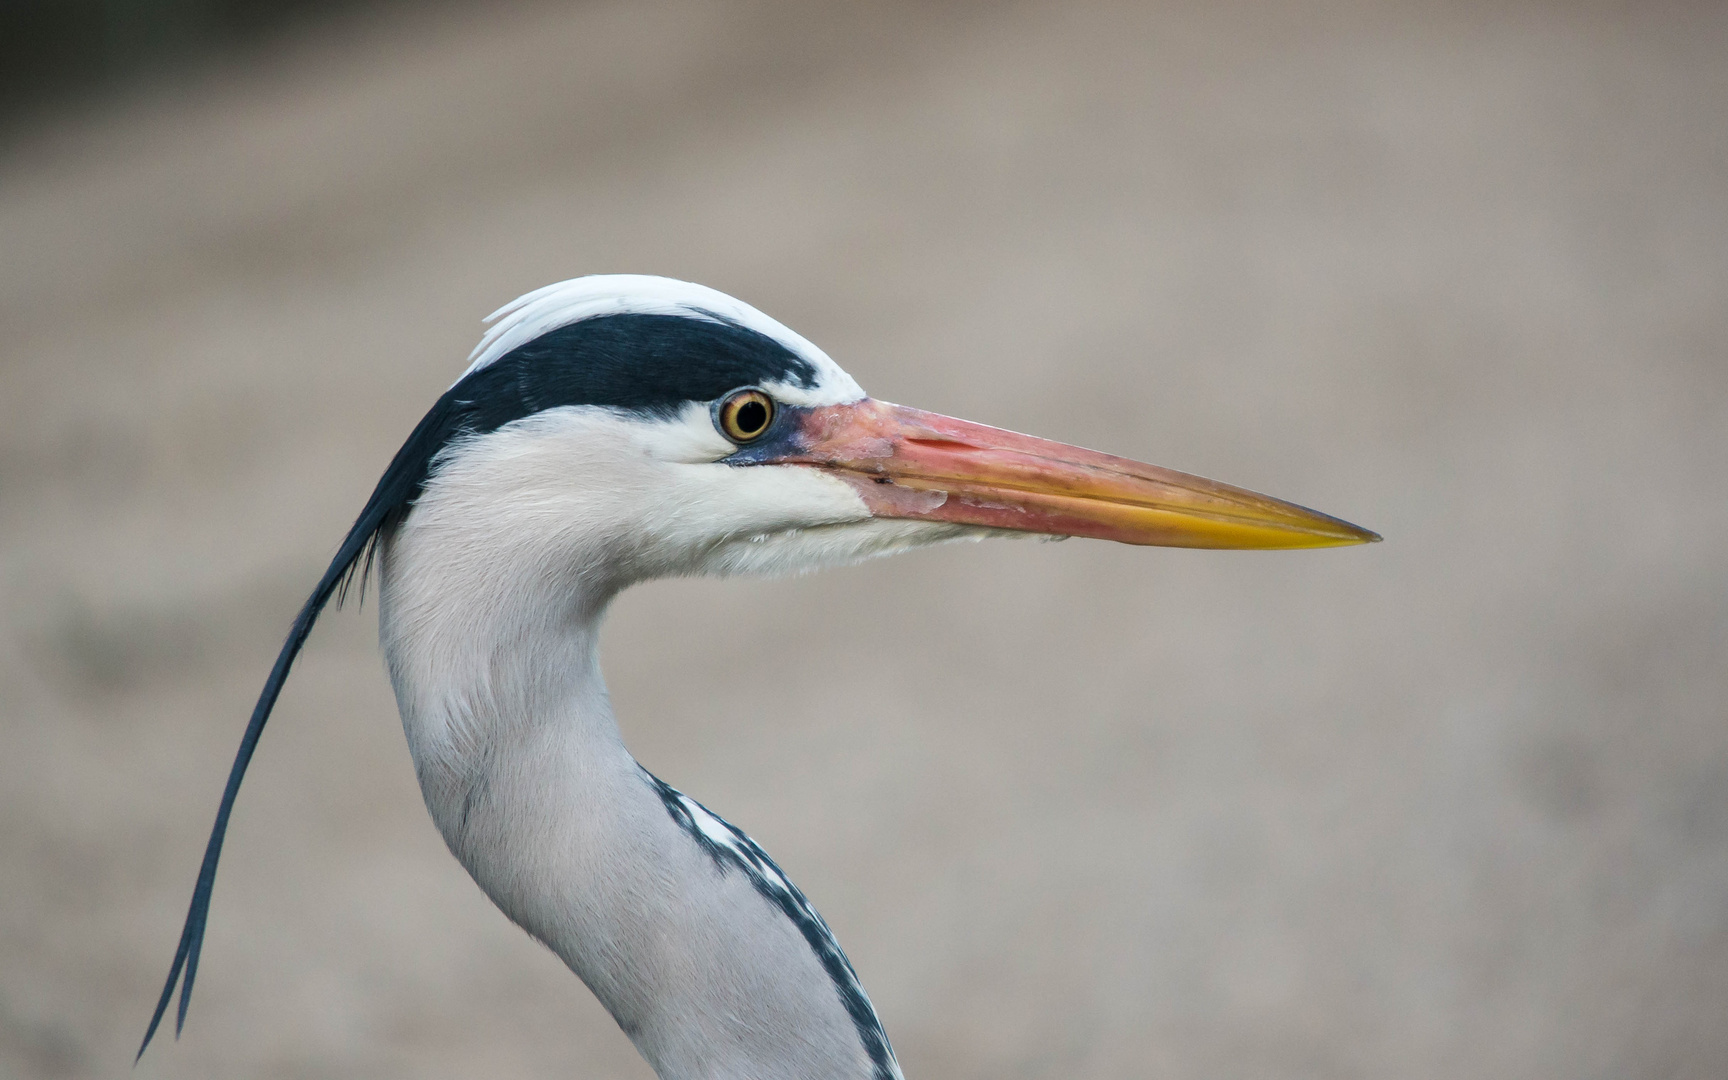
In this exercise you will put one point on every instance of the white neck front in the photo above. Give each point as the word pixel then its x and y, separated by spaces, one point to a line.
pixel 709 959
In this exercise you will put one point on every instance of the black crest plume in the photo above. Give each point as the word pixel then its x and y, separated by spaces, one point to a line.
pixel 400 483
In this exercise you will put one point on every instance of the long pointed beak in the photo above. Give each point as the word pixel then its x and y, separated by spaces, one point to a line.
pixel 907 463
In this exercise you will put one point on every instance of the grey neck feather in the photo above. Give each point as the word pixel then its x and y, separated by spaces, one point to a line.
pixel 709 959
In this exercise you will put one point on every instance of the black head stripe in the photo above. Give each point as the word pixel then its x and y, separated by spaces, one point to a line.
pixel 652 364
pixel 647 362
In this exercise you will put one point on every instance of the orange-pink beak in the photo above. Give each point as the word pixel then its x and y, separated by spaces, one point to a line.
pixel 907 463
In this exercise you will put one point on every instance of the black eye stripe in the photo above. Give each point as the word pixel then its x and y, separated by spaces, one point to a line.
pixel 648 362
pixel 654 364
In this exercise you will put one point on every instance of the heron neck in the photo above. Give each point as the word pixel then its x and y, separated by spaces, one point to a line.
pixel 709 970
pixel 481 683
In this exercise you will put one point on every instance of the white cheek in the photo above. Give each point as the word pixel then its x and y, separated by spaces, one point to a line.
pixel 702 507
pixel 800 551
pixel 794 496
pixel 690 438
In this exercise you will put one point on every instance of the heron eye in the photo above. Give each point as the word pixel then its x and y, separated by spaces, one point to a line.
pixel 745 415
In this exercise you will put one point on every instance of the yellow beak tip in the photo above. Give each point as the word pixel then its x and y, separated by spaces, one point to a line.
pixel 1360 536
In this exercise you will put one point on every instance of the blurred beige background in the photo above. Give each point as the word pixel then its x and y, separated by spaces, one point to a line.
pixel 1452 806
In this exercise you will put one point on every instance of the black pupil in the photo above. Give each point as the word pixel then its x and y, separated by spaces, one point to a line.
pixel 751 417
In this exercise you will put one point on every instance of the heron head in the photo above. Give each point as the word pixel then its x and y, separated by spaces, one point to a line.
pixel 629 427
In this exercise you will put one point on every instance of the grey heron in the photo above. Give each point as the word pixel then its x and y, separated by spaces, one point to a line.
pixel 615 429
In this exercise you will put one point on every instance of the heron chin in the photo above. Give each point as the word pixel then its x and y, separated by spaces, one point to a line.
pixel 615 429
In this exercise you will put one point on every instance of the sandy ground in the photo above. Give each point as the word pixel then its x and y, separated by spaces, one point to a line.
pixel 1455 805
